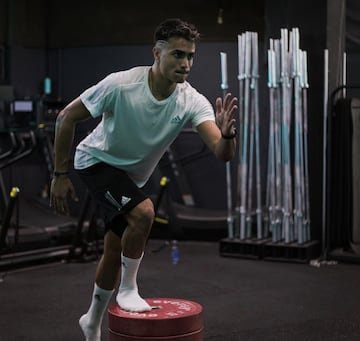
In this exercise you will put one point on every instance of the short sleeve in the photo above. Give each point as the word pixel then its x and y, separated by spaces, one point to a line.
pixel 203 110
pixel 98 98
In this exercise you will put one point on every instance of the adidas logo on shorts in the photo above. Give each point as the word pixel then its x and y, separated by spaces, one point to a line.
pixel 113 201
pixel 124 200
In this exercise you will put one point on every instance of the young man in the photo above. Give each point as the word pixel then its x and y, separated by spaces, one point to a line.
pixel 143 110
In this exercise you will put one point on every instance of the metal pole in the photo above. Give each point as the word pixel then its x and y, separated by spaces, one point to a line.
pixel 270 180
pixel 272 176
pixel 244 163
pixel 344 74
pixel 241 77
pixel 251 166
pixel 298 176
pixel 305 86
pixel 325 114
pixel 252 140
pixel 257 133
pixel 224 87
pixel 286 101
pixel 278 144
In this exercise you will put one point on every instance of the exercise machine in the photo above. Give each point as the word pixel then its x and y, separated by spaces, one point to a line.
pixel 178 215
pixel 30 230
pixel 342 235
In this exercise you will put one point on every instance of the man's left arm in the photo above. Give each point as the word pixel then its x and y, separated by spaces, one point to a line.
pixel 220 136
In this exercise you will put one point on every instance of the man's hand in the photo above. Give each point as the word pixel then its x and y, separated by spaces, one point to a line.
pixel 61 187
pixel 224 116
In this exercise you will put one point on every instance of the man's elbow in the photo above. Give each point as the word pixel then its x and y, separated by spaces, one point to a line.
pixel 225 156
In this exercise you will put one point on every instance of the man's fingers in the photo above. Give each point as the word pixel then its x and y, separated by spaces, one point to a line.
pixel 59 204
pixel 218 105
pixel 225 112
pixel 229 101
pixel 65 207
pixel 73 194
pixel 234 107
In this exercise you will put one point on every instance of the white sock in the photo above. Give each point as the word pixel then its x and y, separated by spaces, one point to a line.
pixel 128 297
pixel 90 323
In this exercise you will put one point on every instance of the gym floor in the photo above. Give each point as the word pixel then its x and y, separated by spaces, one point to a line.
pixel 242 299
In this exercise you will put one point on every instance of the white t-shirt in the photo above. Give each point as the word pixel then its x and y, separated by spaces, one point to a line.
pixel 136 128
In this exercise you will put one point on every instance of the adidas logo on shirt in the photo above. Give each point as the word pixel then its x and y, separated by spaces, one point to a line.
pixel 176 119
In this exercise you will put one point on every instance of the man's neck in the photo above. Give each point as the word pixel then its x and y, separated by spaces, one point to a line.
pixel 160 87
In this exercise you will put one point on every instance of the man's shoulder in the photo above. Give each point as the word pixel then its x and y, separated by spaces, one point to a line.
pixel 134 74
pixel 192 92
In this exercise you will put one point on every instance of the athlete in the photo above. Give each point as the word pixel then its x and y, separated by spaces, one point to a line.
pixel 142 111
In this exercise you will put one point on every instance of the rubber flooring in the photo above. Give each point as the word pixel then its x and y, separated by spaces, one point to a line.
pixel 243 300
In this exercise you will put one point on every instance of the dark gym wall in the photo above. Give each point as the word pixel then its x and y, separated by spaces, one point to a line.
pixel 76 43
pixel 353 44
pixel 23 22
pixel 39 35
pixel 111 22
pixel 22 42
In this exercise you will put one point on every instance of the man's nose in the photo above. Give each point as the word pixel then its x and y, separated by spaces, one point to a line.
pixel 186 63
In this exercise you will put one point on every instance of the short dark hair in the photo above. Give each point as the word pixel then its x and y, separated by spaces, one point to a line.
pixel 175 27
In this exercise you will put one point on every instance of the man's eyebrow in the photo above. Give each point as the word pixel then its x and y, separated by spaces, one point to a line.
pixel 183 52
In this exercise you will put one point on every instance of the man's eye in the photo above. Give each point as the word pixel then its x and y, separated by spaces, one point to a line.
pixel 179 54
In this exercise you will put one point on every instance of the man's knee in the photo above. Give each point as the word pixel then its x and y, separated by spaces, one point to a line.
pixel 112 247
pixel 142 216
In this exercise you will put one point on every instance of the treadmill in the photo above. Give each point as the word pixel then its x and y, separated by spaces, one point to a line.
pixel 178 216
pixel 30 230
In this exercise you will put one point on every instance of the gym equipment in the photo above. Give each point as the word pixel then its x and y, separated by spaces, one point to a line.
pixel 342 236
pixel 325 137
pixel 87 242
pixel 286 217
pixel 6 222
pixel 37 233
pixel 273 190
pixel 22 144
pixel 249 146
pixel 170 319
pixel 225 87
pixel 6 97
pixel 177 215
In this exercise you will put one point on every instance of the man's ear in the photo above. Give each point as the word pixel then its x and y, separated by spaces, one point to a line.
pixel 156 53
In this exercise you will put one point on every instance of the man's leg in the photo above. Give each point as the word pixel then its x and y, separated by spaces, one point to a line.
pixel 132 244
pixel 140 220
pixel 106 277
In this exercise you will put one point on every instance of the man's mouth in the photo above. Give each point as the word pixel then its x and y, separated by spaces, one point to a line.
pixel 182 72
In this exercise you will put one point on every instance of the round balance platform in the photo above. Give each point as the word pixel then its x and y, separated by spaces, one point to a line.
pixel 170 319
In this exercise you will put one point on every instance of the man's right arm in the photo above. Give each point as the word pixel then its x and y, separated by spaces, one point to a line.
pixel 61 186
pixel 65 130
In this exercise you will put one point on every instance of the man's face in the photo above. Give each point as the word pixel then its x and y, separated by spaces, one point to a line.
pixel 176 59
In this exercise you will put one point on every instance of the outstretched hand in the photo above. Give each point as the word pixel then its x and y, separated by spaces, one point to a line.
pixel 60 188
pixel 225 112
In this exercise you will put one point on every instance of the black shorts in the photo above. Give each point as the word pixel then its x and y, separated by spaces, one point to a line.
pixel 114 192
